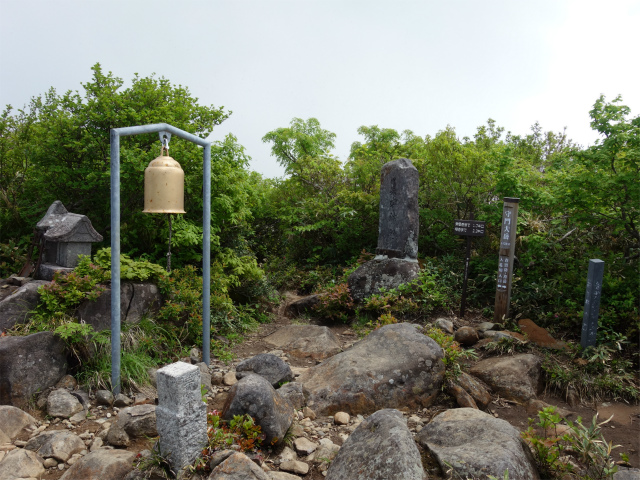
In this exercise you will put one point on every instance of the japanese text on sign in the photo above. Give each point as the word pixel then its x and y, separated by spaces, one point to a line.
pixel 503 272
pixel 472 228
pixel 505 240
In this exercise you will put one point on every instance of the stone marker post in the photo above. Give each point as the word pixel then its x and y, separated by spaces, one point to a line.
pixel 181 415
pixel 505 259
pixel 592 303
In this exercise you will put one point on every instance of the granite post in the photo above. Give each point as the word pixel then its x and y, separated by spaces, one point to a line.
pixel 592 303
pixel 181 415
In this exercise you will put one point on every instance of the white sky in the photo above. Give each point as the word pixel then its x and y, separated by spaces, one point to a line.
pixel 418 65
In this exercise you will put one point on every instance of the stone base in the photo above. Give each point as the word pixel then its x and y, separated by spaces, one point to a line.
pixel 386 273
pixel 48 270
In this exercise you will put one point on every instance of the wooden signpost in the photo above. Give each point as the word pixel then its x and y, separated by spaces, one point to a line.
pixel 592 303
pixel 467 228
pixel 505 260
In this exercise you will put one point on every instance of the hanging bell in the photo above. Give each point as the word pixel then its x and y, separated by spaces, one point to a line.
pixel 164 186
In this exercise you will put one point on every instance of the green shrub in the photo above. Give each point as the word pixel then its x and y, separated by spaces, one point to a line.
pixel 335 303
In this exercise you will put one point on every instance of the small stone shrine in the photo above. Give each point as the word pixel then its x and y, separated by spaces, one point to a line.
pixel 66 237
pixel 396 261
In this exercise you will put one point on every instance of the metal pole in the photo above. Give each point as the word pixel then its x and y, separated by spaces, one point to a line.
pixel 206 256
pixel 115 262
pixel 115 238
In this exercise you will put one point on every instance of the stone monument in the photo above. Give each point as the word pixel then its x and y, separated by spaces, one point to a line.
pixel 66 237
pixel 396 261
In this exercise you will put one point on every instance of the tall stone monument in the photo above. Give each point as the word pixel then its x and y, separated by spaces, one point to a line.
pixel 396 261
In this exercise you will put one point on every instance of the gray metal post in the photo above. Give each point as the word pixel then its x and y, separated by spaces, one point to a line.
pixel 116 133
pixel 592 303
pixel 115 262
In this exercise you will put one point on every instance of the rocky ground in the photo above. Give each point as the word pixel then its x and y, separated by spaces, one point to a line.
pixel 94 425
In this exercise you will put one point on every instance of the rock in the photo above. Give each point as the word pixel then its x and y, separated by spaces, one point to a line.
pixel 13 421
pixel 287 454
pixel 381 448
pixel 58 444
pixel 272 368
pixel 133 422
pixel 303 305
pixel 220 456
pixel 485 326
pixel 254 395
pixel 341 418
pixel 473 387
pixel 146 300
pixel 496 335
pixel 309 413
pixel 21 463
pixel 399 219
pixel 104 397
pixel 122 401
pixel 445 325
pixel 386 273
pixel 60 403
pixel 28 365
pixel 103 464
pixel 305 341
pixel 326 452
pixel 394 366
pixel 466 336
pixel 15 308
pixel 475 444
pixel 534 406
pixel 292 391
pixel 4 438
pixel 539 335
pixel 625 473
pixel 238 467
pixel 50 463
pixel 295 466
pixel 205 381
pixel 517 378
pixel 229 379
pixel 68 382
pixel 304 446
pixel 195 355
pixel 463 399
pixel 282 476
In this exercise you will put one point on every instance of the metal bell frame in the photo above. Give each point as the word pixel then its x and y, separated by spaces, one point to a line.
pixel 165 130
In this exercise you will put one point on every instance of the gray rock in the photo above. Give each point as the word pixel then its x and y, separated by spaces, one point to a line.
pixel 121 401
pixel 326 452
pixel 292 391
pixel 303 305
pixel 238 467
pixel 381 448
pixel 21 463
pixel 282 476
pixel 218 457
pixel 475 389
pixel 146 300
pixel 28 365
pixel 295 466
pixel 475 444
pixel 103 464
pixel 13 420
pixel 133 422
pixel 517 378
pixel 47 271
pixel 254 395
pixel 487 326
pixel 15 308
pixel 104 397
pixel 386 273
pixel 304 446
pixel 97 313
pixel 60 403
pixel 445 325
pixel 399 219
pixel 624 473
pixel 305 341
pixel 4 438
pixel 58 444
pixel 272 368
pixel 395 366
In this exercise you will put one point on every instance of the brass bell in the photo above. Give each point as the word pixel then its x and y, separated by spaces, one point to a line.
pixel 164 186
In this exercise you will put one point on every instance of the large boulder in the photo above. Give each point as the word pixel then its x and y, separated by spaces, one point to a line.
pixel 475 445
pixel 517 378
pixel 102 464
pixel 371 277
pixel 395 366
pixel 399 212
pixel 381 448
pixel 273 368
pixel 254 395
pixel 16 307
pixel 13 421
pixel 21 463
pixel 28 365
pixel 305 341
pixel 58 444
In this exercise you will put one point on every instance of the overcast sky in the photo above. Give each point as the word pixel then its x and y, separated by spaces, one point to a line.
pixel 418 65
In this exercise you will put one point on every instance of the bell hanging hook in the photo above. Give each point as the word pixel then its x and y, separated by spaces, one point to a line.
pixel 165 138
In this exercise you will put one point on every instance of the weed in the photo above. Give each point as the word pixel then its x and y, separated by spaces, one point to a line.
pixel 507 346
pixel 453 352
pixel 336 303
pixel 155 464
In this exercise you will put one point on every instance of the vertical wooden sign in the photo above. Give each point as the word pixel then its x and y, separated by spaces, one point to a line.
pixel 505 259
pixel 592 303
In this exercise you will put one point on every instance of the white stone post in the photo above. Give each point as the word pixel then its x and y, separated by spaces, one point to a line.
pixel 181 415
